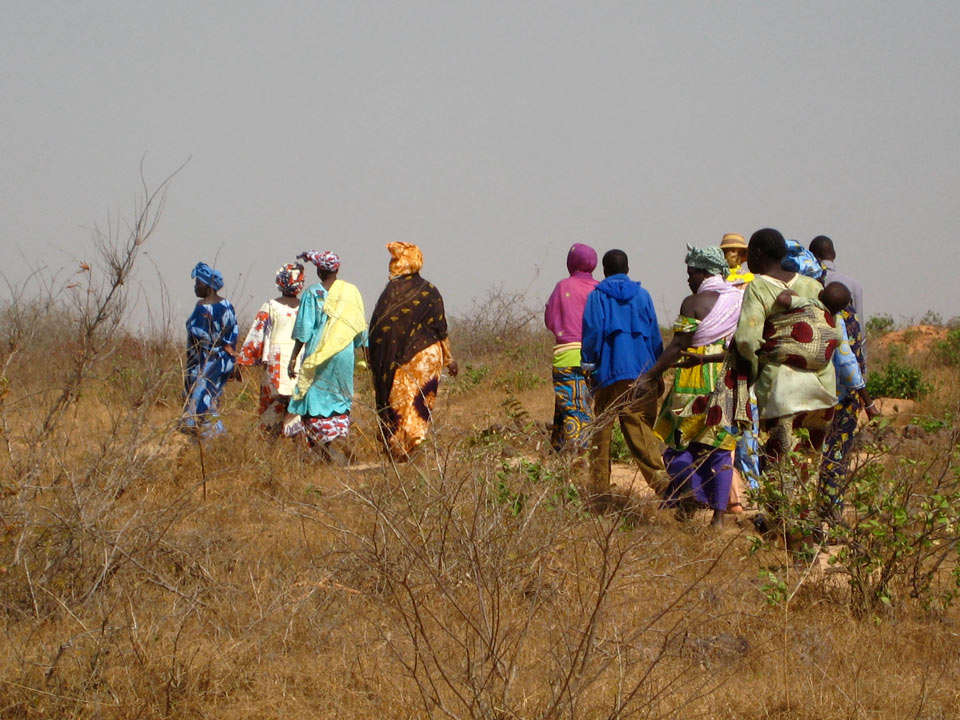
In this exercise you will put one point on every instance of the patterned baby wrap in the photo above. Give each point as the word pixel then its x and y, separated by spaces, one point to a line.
pixel 804 338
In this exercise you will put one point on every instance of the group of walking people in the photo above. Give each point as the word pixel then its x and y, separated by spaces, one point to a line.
pixel 307 340
pixel 769 341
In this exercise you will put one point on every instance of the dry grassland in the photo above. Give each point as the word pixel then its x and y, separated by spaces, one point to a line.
pixel 144 576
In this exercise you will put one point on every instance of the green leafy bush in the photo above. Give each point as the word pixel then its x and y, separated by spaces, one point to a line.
pixel 948 349
pixel 880 325
pixel 897 380
pixel 902 538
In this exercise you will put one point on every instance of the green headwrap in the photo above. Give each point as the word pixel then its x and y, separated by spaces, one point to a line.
pixel 710 259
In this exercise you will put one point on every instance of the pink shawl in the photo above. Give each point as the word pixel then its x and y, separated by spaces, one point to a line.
pixel 721 322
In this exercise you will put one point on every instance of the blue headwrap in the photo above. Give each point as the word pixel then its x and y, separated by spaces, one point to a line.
pixel 207 275
pixel 800 260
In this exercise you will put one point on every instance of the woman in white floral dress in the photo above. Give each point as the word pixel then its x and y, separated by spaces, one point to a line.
pixel 270 345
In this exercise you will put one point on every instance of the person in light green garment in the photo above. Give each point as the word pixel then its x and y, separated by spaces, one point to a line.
pixel 330 325
pixel 793 390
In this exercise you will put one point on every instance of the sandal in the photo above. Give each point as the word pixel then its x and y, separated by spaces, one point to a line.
pixel 735 507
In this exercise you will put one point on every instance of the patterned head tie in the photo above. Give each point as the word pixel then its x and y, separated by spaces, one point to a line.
pixel 710 259
pixel 325 260
pixel 290 278
pixel 800 260
pixel 405 259
pixel 207 275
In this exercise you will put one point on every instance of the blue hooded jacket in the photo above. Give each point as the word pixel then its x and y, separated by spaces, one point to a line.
pixel 621 335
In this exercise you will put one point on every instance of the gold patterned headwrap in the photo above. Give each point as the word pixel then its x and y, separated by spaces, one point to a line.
pixel 406 259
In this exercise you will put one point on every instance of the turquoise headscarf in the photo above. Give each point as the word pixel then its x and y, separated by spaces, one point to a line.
pixel 709 259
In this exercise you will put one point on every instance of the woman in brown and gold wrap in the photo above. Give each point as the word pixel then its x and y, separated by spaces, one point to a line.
pixel 408 350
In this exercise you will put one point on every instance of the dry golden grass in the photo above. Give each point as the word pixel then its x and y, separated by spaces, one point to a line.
pixel 471 583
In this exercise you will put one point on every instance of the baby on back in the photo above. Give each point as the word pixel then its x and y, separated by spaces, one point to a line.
pixel 803 335
pixel 834 297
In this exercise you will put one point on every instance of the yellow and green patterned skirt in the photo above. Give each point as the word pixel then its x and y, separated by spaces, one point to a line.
pixel 683 416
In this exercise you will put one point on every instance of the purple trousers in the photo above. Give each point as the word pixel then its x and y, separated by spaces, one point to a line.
pixel 700 472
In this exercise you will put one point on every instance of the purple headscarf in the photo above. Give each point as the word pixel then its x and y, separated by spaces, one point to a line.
pixel 581 259
pixel 564 312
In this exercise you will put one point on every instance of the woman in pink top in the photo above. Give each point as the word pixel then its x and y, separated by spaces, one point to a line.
pixel 563 316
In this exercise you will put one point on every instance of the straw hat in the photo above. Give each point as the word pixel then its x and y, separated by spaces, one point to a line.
pixel 733 241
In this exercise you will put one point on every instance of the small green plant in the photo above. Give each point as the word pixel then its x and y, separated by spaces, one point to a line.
pixel 774 589
pixel 515 485
pixel 245 400
pixel 514 501
pixel 896 537
pixel 521 380
pixel 932 424
pixel 619 452
pixel 473 374
pixel 880 325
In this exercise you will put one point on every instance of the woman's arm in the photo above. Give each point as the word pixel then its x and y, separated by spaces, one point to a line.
pixel 689 359
pixel 682 339
pixel 292 365
pixel 448 359
pixel 671 353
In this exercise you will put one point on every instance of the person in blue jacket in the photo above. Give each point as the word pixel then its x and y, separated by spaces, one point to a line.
pixel 621 341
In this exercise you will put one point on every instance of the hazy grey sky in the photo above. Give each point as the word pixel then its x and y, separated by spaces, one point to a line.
pixel 493 134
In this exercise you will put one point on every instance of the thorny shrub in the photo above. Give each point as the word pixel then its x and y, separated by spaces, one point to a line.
pixel 501 321
pixel 899 536
pixel 474 570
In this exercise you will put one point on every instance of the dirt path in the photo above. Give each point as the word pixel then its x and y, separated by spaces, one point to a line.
pixel 627 477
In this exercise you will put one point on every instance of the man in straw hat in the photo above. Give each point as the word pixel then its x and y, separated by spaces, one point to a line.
pixel 747 454
pixel 735 251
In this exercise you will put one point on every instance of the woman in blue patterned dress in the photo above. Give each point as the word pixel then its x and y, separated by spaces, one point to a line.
pixel 211 353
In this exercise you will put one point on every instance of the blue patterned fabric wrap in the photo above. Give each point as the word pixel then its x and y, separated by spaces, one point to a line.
pixel 746 457
pixel 211 329
pixel 851 371
pixel 847 361
pixel 571 409
pixel 290 279
pixel 800 260
pixel 836 450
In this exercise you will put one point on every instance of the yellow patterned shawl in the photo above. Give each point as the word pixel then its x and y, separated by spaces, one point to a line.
pixel 343 307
